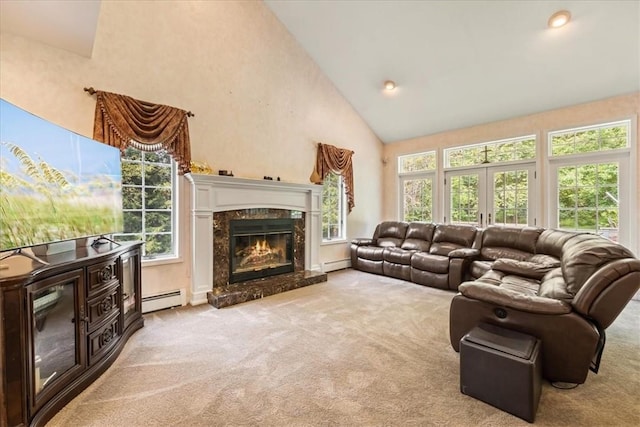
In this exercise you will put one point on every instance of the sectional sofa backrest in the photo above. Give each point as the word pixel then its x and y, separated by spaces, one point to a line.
pixel 419 236
pixel 449 237
pixel 517 243
pixel 390 234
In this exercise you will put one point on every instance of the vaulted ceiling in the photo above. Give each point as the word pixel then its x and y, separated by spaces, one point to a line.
pixel 456 63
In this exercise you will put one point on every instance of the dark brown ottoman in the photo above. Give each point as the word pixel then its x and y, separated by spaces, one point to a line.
pixel 502 368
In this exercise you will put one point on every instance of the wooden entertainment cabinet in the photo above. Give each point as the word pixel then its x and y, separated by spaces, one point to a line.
pixel 62 324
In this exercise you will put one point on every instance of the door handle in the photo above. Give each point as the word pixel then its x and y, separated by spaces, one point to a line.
pixel 480 220
pixel 489 219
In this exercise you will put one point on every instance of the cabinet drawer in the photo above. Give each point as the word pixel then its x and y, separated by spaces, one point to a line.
pixel 103 306
pixel 103 339
pixel 101 275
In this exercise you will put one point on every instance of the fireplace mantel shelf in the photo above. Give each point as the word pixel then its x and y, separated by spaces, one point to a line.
pixel 213 193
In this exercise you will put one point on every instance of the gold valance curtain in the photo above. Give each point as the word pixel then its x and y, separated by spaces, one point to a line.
pixel 336 160
pixel 122 121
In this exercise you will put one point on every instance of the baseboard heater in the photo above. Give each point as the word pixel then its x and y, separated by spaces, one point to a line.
pixel 164 300
pixel 336 265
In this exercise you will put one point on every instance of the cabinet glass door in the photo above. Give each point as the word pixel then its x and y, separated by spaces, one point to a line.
pixel 130 286
pixel 56 322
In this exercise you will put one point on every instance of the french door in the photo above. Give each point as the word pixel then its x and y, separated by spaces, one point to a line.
pixel 491 195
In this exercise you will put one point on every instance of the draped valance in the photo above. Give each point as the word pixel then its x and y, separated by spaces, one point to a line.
pixel 339 161
pixel 122 121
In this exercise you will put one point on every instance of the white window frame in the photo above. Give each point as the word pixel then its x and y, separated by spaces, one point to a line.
pixel 174 256
pixel 342 214
pixel 409 176
pixel 627 176
pixel 414 175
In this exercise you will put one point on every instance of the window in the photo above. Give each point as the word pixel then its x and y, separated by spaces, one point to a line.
pixel 590 178
pixel 149 202
pixel 590 139
pixel 505 150
pixel 588 198
pixel 417 174
pixel 333 208
pixel 491 183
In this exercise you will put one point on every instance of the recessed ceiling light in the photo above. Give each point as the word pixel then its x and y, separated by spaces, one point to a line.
pixel 389 85
pixel 559 19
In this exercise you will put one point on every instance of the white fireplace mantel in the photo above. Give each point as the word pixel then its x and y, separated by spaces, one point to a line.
pixel 213 193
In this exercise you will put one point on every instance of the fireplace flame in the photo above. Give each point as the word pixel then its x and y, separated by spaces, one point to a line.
pixel 262 247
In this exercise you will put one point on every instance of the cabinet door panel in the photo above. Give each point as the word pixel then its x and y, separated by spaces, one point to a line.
pixel 56 331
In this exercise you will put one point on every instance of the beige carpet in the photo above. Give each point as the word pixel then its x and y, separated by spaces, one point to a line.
pixel 358 350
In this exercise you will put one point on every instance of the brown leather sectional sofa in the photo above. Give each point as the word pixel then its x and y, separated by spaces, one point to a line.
pixel 563 287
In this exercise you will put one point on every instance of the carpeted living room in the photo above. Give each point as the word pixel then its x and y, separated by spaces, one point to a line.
pixel 294 132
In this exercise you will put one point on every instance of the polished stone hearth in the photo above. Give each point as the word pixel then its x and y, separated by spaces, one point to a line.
pixel 224 296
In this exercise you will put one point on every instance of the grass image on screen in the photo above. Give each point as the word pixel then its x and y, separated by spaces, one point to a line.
pixel 54 184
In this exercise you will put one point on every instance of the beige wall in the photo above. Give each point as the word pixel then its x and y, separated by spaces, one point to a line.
pixel 260 102
pixel 616 108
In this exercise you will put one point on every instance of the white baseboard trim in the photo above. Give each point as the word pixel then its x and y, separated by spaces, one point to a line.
pixel 164 300
pixel 336 265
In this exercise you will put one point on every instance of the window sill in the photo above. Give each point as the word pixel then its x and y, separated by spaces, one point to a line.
pixel 161 261
pixel 333 242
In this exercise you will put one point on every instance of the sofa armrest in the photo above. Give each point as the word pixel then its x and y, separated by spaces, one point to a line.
pixel 512 299
pixel 362 242
pixel 464 253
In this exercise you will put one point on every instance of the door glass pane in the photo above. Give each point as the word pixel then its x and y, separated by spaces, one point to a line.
pixel 511 197
pixel 588 198
pixel 418 199
pixel 464 199
pixel 54 333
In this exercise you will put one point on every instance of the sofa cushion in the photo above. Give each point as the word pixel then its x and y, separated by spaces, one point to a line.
pixel 527 269
pixel 391 233
pixel 418 237
pixel 524 285
pixel 449 237
pixel 397 255
pixel 521 238
pixel 430 262
pixel 547 260
pixel 493 253
pixel 554 286
pixel 479 268
pixel 583 254
pixel 371 253
pixel 551 241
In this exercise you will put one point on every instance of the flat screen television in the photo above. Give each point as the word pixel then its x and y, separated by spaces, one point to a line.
pixel 55 185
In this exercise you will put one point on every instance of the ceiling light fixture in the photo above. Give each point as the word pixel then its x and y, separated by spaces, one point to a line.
pixel 389 85
pixel 559 19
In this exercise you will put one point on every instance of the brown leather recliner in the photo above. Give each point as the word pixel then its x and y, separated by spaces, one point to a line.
pixel 446 262
pixel 566 292
pixel 366 254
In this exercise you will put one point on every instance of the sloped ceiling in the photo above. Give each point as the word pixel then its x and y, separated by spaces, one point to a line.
pixel 456 63
pixel 65 24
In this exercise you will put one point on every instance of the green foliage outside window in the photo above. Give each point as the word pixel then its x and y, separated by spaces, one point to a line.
pixel 417 162
pixel 464 199
pixel 332 207
pixel 511 197
pixel 147 198
pixel 589 140
pixel 588 198
pixel 418 199
pixel 523 148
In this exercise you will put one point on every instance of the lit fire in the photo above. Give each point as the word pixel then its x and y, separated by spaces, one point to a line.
pixel 262 247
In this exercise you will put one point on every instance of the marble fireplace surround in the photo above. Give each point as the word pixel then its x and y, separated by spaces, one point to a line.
pixel 213 193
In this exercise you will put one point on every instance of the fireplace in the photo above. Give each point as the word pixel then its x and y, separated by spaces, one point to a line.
pixel 260 248
pixel 218 200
